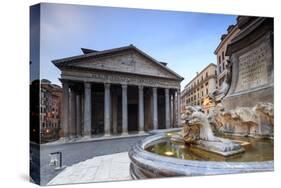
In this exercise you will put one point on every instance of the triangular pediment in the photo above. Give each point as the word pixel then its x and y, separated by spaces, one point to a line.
pixel 131 61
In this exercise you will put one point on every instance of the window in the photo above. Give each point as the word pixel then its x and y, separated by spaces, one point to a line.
pixel 219 59
pixel 222 55
pixel 206 74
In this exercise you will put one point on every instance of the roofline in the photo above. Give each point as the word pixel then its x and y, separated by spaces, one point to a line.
pixel 225 39
pixel 59 62
pixel 71 58
pixel 211 64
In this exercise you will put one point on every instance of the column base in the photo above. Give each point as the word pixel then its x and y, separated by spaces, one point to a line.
pixel 141 132
pixel 86 137
pixel 107 134
pixel 124 134
pixel 64 139
pixel 71 137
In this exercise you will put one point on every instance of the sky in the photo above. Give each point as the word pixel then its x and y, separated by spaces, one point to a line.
pixel 185 40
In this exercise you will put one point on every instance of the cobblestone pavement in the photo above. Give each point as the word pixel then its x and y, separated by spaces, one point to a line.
pixel 77 152
pixel 114 167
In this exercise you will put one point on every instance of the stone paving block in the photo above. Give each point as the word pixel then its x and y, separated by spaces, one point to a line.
pixel 102 168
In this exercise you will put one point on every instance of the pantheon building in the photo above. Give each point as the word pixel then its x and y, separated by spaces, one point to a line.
pixel 117 92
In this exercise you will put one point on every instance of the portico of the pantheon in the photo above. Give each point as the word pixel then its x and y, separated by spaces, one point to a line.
pixel 117 91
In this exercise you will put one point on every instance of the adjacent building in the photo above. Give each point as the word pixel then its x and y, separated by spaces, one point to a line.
pixel 50 110
pixel 196 92
pixel 117 91
pixel 220 52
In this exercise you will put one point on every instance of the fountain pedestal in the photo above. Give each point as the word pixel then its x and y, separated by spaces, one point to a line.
pixel 197 132
pixel 225 148
pixel 222 147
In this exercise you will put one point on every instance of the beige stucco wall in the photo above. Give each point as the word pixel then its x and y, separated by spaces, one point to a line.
pixel 221 64
pixel 198 89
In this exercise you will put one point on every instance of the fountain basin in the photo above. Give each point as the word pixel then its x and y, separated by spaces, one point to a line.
pixel 146 164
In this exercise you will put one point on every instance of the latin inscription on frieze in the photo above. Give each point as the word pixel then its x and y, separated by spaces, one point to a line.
pixel 253 68
pixel 120 79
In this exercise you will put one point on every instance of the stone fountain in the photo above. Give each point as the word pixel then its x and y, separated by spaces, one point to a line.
pixel 242 107
pixel 198 133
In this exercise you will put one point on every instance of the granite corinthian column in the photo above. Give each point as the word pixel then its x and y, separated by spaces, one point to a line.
pixel 72 118
pixel 174 110
pixel 167 108
pixel 65 107
pixel 155 108
pixel 141 110
pixel 124 110
pixel 78 115
pixel 178 108
pixel 114 113
pixel 107 105
pixel 87 109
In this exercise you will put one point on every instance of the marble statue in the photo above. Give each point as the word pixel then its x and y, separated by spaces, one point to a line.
pixel 198 132
pixel 245 121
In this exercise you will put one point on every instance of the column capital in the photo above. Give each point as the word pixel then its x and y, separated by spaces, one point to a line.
pixel 140 86
pixel 124 86
pixel 87 85
pixel 107 85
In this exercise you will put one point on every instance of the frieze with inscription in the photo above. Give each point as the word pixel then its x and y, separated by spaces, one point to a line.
pixel 103 77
